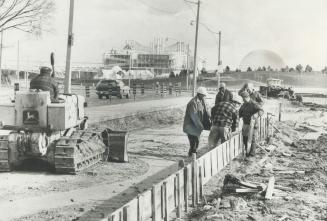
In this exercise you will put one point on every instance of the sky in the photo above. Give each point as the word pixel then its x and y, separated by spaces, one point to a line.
pixel 294 29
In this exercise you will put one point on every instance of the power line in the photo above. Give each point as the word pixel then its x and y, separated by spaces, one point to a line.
pixel 203 24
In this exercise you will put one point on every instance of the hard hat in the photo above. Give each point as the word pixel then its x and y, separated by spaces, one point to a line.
pixel 236 98
pixel 202 90
pixel 222 85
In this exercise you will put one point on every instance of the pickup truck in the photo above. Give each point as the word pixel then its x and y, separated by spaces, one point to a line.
pixel 107 88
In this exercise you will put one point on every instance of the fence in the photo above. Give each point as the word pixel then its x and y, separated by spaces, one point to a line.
pixel 172 196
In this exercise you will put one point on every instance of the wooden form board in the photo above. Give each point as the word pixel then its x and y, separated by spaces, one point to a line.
pixel 169 195
pixel 214 163
pixel 220 158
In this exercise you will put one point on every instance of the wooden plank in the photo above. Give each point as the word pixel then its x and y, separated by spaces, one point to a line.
pixel 178 193
pixel 170 193
pixel 200 184
pixel 154 203
pixel 237 145
pixel 194 180
pixel 146 207
pixel 232 148
pixel 246 190
pixel 163 204
pixel 228 149
pixel 270 188
pixel 125 218
pixel 214 163
pixel 132 210
pixel 207 168
pixel 223 147
pixel 186 188
pixel 139 214
pixel 165 201
pixel 311 136
pixel 220 157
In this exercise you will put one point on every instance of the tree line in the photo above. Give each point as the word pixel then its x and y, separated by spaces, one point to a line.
pixel 298 68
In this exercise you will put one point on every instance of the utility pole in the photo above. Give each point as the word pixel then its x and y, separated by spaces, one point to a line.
pixel 68 77
pixel 1 47
pixel 195 49
pixel 187 65
pixel 18 62
pixel 219 61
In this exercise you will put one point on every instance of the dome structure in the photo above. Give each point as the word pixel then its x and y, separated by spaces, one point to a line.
pixel 260 58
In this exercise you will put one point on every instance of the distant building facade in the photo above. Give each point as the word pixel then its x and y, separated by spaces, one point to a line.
pixel 157 58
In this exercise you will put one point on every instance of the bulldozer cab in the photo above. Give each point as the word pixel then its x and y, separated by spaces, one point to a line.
pixel 274 82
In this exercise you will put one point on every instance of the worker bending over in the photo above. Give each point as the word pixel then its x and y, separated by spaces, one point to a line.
pixel 250 111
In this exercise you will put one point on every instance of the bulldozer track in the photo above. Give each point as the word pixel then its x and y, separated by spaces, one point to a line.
pixel 79 151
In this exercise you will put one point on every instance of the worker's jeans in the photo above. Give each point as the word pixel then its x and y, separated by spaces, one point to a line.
pixel 194 144
pixel 218 133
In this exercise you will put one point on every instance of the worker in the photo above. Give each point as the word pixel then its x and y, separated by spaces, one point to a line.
pixel 249 111
pixel 223 94
pixel 254 95
pixel 45 82
pixel 194 119
pixel 225 119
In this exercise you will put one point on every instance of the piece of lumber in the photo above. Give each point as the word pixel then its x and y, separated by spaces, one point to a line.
pixel 249 185
pixel 291 171
pixel 283 188
pixel 311 136
pixel 270 188
pixel 246 190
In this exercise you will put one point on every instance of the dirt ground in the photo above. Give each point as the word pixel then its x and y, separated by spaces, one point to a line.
pixel 307 198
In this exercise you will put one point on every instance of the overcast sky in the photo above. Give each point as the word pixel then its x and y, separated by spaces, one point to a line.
pixel 294 29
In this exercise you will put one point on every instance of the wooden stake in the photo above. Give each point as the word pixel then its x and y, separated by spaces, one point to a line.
pixel 186 188
pixel 166 201
pixel 194 180
pixel 153 203
pixel 270 188
pixel 280 112
pixel 200 184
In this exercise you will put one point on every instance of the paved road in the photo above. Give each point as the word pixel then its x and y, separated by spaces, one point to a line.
pixel 104 113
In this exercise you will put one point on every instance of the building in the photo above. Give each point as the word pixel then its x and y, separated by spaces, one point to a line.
pixel 159 57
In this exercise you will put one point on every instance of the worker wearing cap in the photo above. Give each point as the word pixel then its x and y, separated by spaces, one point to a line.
pixel 193 120
pixel 254 95
pixel 249 111
pixel 223 94
pixel 45 82
pixel 225 119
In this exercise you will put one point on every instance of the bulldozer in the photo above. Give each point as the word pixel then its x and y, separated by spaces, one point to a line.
pixel 34 129
pixel 275 89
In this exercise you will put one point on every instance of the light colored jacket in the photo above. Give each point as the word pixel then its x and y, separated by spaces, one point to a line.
pixel 194 117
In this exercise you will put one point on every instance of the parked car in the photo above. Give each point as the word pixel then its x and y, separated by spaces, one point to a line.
pixel 107 88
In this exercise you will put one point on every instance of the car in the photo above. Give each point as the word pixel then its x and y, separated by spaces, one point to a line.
pixel 107 88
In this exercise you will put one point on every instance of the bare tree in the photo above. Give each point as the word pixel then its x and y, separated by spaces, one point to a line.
pixel 26 15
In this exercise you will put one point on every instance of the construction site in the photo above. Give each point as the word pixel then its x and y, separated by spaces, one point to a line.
pixel 107 146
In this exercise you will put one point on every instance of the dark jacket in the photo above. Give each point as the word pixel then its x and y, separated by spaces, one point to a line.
pixel 194 117
pixel 45 82
pixel 225 95
pixel 247 110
